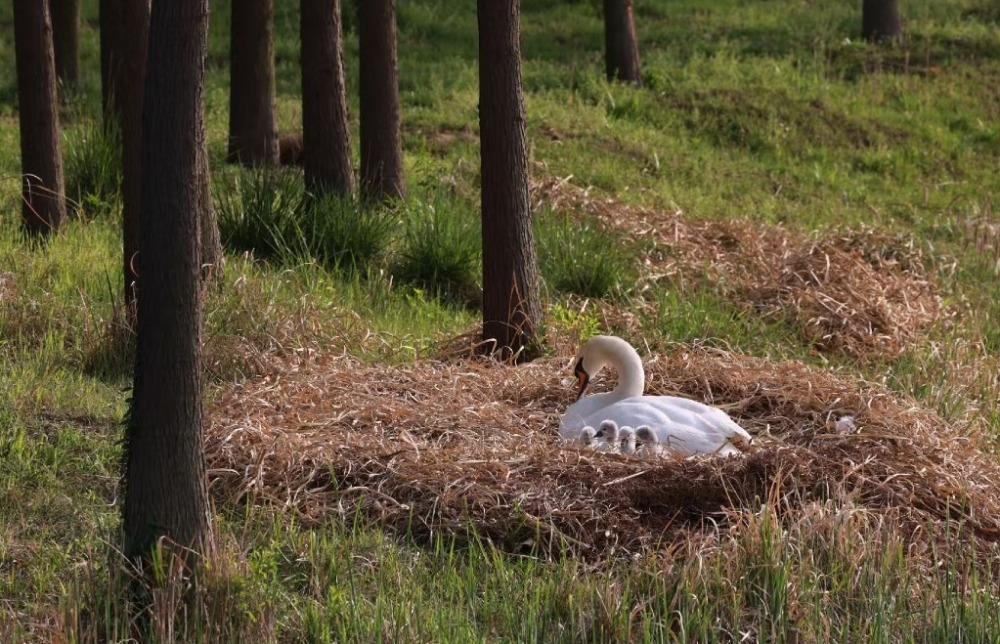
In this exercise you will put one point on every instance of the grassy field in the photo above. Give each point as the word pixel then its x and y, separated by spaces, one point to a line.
pixel 770 113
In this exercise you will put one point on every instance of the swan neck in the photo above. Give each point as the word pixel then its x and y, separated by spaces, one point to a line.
pixel 631 376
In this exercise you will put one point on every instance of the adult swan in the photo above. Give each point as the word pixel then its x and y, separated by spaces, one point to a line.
pixel 683 427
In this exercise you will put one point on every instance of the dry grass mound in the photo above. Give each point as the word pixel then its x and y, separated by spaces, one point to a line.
pixel 467 445
pixel 864 294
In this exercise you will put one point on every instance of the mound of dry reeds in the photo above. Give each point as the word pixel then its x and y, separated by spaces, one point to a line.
pixel 865 294
pixel 468 445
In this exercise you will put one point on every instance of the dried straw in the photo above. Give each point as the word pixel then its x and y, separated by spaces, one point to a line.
pixel 467 445
pixel 864 294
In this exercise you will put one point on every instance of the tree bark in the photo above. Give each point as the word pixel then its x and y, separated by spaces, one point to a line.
pixel 880 20
pixel 43 202
pixel 381 142
pixel 511 305
pixel 253 130
pixel 165 492
pixel 326 145
pixel 620 49
pixel 212 257
pixel 134 34
pixel 110 16
pixel 66 35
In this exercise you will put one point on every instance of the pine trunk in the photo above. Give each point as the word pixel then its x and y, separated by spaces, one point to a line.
pixel 253 130
pixel 326 145
pixel 110 17
pixel 66 33
pixel 880 20
pixel 381 144
pixel 620 48
pixel 134 30
pixel 511 306
pixel 165 492
pixel 43 204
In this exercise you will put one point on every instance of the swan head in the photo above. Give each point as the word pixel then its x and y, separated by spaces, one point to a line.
pixel 627 437
pixel 608 432
pixel 645 435
pixel 605 350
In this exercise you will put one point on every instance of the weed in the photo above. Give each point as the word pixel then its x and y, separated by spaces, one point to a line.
pixel 259 210
pixel 93 168
pixel 575 257
pixel 441 248
pixel 343 234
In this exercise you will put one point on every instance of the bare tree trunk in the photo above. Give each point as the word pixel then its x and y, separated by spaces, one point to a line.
pixel 66 34
pixel 511 304
pixel 326 145
pixel 381 143
pixel 110 16
pixel 43 201
pixel 165 492
pixel 253 130
pixel 620 48
pixel 134 34
pixel 212 257
pixel 880 20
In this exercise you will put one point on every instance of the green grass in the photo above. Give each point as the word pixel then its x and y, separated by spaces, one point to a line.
pixel 769 110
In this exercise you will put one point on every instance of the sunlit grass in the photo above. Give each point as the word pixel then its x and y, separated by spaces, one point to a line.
pixel 767 110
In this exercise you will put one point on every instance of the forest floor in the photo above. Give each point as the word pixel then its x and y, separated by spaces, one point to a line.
pixel 786 222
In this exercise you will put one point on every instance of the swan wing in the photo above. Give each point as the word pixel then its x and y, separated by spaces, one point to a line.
pixel 683 426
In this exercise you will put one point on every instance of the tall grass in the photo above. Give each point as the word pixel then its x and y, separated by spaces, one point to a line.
pixel 441 248
pixel 93 160
pixel 576 257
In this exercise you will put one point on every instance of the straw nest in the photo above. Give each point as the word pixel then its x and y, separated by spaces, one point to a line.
pixel 460 446
pixel 864 294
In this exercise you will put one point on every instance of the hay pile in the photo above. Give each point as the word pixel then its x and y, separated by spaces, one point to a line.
pixel 447 447
pixel 864 294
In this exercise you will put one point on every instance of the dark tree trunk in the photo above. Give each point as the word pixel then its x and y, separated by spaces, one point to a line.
pixel 326 147
pixel 110 20
pixel 66 34
pixel 253 132
pixel 620 49
pixel 43 204
pixel 211 242
pixel 134 33
pixel 381 144
pixel 165 492
pixel 880 20
pixel 511 306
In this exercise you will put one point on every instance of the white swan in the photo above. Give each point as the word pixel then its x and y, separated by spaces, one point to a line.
pixel 648 446
pixel 608 434
pixel 627 437
pixel 682 426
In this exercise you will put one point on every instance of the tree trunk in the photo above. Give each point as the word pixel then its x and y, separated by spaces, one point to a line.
pixel 43 202
pixel 511 306
pixel 326 146
pixel 110 16
pixel 880 20
pixel 212 257
pixel 381 144
pixel 66 35
pixel 253 132
pixel 165 492
pixel 620 49
pixel 134 33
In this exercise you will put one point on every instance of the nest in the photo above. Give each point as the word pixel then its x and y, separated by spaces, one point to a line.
pixel 468 446
pixel 864 294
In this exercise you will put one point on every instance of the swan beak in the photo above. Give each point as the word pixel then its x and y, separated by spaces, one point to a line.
pixel 582 378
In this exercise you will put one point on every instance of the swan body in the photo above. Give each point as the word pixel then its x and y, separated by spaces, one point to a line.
pixel 627 437
pixel 608 435
pixel 682 426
